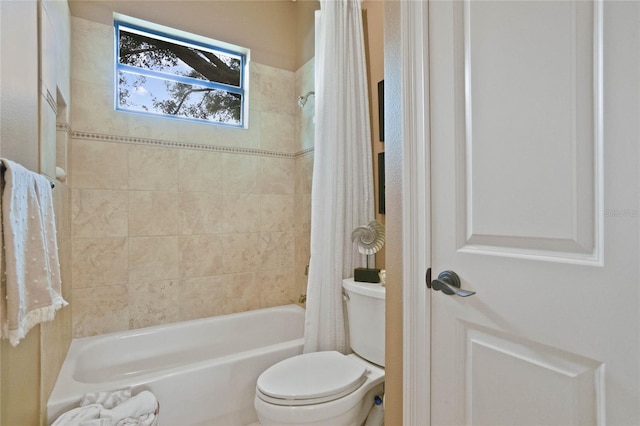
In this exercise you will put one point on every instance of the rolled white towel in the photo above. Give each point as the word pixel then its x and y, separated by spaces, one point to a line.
pixel 79 416
pixel 111 409
pixel 142 404
pixel 107 399
pixel 146 420
pixel 97 422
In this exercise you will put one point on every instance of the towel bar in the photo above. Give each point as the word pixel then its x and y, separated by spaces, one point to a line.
pixel 3 168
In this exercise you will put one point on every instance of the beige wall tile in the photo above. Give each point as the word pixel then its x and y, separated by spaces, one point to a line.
pixel 303 251
pixel 277 250
pixel 303 256
pixel 92 109
pixel 276 132
pixel 241 212
pixel 306 213
pixel 153 168
pixel 100 310
pixel 64 255
pixel 273 89
pixel 248 138
pixel 99 262
pixel 277 287
pixel 307 127
pixel 240 173
pixel 62 200
pixel 241 292
pixel 277 213
pixel 277 175
pixel 240 253
pixel 100 165
pixel 153 213
pixel 305 82
pixel 201 212
pixel 99 213
pixel 201 297
pixel 210 134
pixel 297 212
pixel 303 213
pixel 153 303
pixel 153 258
pixel 153 127
pixel 297 138
pixel 200 171
pixel 304 173
pixel 200 255
pixel 92 52
pixel 196 132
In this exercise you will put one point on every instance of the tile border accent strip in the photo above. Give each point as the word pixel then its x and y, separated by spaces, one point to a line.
pixel 171 144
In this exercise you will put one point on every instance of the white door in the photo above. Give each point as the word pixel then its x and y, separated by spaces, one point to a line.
pixel 535 124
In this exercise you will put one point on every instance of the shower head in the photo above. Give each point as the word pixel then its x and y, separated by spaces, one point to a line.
pixel 302 100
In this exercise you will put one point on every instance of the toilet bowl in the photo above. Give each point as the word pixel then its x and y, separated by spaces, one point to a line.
pixel 320 388
pixel 329 388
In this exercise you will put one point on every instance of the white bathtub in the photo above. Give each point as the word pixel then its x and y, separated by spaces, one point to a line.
pixel 203 372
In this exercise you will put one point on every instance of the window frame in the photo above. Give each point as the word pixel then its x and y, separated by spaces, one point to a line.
pixel 184 38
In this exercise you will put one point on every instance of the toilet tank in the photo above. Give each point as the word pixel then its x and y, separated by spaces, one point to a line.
pixel 365 316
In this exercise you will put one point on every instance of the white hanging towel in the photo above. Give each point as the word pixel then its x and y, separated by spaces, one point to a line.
pixel 29 265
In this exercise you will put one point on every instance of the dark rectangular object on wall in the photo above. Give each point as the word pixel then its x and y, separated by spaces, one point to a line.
pixel 381 109
pixel 381 202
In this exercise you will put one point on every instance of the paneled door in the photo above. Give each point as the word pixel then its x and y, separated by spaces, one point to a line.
pixel 535 196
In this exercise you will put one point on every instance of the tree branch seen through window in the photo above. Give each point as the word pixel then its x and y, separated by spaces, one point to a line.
pixel 178 78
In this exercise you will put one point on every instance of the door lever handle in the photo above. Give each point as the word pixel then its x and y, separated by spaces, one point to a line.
pixel 449 283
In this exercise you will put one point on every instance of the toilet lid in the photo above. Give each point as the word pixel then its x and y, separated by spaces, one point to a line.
pixel 310 378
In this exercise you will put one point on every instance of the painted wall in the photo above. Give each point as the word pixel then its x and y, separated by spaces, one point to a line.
pixel 305 31
pixel 268 27
pixel 381 46
pixel 393 142
pixel 28 130
pixel 374 43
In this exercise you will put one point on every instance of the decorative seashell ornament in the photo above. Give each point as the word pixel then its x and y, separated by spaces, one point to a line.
pixel 369 238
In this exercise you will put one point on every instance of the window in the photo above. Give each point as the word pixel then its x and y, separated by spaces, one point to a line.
pixel 172 73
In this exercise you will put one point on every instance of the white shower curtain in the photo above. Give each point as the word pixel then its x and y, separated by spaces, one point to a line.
pixel 342 191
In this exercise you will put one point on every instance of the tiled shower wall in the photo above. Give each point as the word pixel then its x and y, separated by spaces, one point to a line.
pixel 304 136
pixel 175 220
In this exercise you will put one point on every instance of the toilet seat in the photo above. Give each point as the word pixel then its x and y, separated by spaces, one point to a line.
pixel 310 378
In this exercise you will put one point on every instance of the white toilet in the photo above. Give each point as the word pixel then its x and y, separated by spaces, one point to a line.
pixel 329 388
